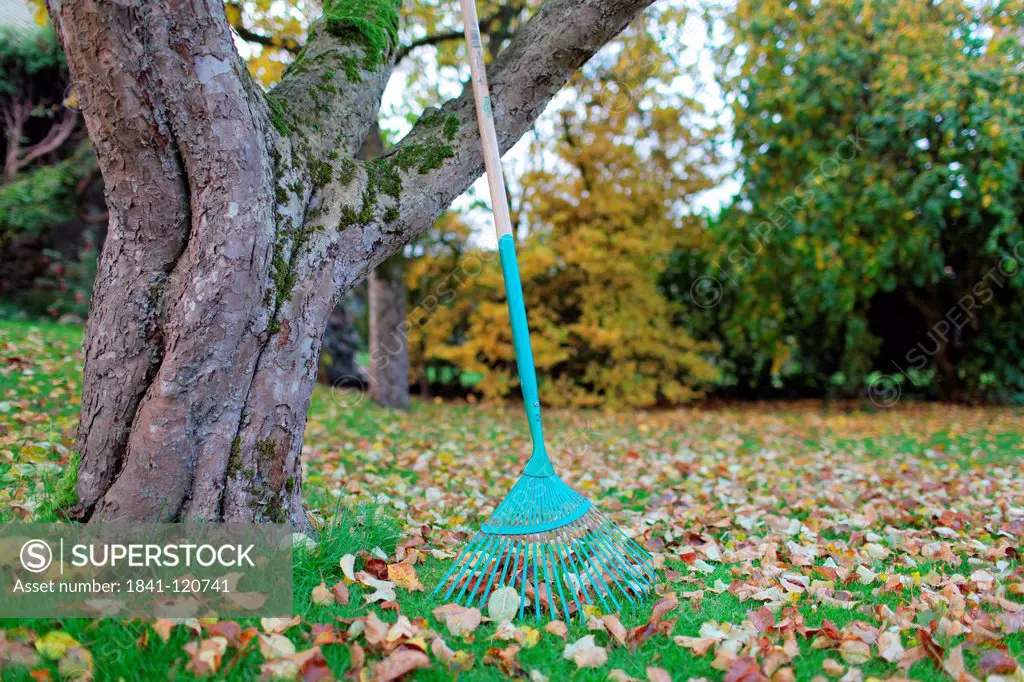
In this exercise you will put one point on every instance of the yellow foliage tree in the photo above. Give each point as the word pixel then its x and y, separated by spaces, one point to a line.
pixel 596 229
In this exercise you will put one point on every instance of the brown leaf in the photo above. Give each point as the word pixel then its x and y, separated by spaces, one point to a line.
pixel 744 669
pixel 585 653
pixel 557 628
pixel 954 665
pixel 205 656
pixel 855 652
pixel 321 595
pixel 658 675
pixel 615 628
pixel 459 620
pixel 890 647
pixel 18 653
pixel 324 633
pixel 931 647
pixel 341 592
pixel 401 661
pixel 376 630
pixel 377 568
pixel 997 662
pixel 357 659
pixel 505 660
pixel 228 629
pixel 832 667
pixel 763 619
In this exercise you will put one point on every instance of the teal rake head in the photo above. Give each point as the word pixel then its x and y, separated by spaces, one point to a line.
pixel 546 540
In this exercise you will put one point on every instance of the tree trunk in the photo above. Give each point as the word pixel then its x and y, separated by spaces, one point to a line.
pixel 389 352
pixel 339 365
pixel 238 219
pixel 389 349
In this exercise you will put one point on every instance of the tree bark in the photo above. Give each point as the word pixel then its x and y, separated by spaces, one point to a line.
pixel 238 219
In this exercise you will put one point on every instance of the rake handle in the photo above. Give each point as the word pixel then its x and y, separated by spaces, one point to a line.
pixel 539 464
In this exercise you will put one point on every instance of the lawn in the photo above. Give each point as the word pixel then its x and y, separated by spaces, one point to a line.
pixel 795 541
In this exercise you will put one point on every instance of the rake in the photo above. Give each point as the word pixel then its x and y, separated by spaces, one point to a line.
pixel 544 539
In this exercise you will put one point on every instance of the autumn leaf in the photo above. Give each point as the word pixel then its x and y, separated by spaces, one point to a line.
pixel 54 644
pixel 205 656
pixel 321 595
pixel 404 575
pixel 401 661
pixel 557 628
pixel 585 653
pixel 459 620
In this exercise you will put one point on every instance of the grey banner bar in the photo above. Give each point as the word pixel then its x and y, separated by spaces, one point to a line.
pixel 145 570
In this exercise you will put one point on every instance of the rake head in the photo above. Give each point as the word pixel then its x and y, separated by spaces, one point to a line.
pixel 558 551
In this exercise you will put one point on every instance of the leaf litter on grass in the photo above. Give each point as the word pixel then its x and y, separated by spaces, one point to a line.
pixel 793 542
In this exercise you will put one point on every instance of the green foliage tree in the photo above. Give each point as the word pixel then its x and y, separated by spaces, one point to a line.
pixel 879 221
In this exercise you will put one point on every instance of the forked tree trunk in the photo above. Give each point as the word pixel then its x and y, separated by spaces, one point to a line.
pixel 237 220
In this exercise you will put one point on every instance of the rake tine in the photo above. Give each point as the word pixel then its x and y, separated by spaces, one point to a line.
pixel 575 567
pixel 591 552
pixel 621 567
pixel 558 582
pixel 522 585
pixel 481 553
pixel 503 545
pixel 562 557
pixel 547 578
pixel 513 547
pixel 464 555
pixel 625 565
pixel 579 548
pixel 614 573
pixel 638 551
pixel 536 581
pixel 582 571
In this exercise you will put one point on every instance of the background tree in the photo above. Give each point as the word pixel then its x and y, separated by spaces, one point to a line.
pixel 237 218
pixel 605 205
pixel 881 184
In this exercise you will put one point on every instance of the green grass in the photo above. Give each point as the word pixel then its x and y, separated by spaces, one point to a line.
pixel 363 479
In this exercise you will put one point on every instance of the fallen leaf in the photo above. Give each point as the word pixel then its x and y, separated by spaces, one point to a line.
pixel 585 653
pixel 76 664
pixel 401 661
pixel 557 628
pixel 459 620
pixel 276 646
pixel 503 604
pixel 54 644
pixel 321 595
pixel 855 652
pixel 404 575
pixel 658 675
pixel 615 628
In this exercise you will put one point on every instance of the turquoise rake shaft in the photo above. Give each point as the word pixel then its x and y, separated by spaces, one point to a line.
pixel 544 539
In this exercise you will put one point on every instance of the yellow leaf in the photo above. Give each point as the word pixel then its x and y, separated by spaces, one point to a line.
pixel 53 645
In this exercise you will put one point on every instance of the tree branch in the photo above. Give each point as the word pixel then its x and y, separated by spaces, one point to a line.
pixel 502 17
pixel 250 36
pixel 55 137
pixel 544 53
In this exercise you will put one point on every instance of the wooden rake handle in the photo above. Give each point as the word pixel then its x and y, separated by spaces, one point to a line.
pixel 485 118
